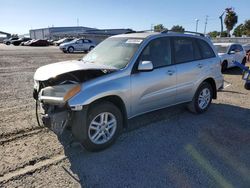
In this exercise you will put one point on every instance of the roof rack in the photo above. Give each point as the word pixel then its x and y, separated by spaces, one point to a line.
pixel 142 31
pixel 191 32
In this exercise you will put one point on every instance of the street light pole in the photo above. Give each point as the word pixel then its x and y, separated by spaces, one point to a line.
pixel 205 29
pixel 197 20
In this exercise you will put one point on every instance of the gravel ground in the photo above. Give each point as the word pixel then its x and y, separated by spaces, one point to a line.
pixel 166 148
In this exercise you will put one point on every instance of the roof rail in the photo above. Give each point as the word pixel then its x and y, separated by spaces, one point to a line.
pixel 142 31
pixel 191 32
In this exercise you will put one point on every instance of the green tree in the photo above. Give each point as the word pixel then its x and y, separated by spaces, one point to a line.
pixel 178 28
pixel 159 28
pixel 230 20
pixel 239 30
pixel 214 34
pixel 247 28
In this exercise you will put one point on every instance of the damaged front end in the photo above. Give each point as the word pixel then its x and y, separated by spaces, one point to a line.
pixel 52 93
pixel 51 106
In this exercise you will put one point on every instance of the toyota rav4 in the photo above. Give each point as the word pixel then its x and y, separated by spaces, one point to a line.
pixel 123 77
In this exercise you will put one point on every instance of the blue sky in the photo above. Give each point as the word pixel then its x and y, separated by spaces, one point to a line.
pixel 18 16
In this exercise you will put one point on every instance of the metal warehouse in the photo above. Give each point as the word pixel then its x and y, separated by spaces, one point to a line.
pixel 96 35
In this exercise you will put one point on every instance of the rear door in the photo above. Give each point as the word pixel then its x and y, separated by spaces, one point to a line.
pixel 190 66
pixel 86 44
pixel 79 45
pixel 154 89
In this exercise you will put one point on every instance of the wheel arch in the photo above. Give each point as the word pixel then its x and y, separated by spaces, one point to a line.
pixel 211 81
pixel 118 102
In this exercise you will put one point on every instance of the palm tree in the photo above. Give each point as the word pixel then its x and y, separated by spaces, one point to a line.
pixel 230 20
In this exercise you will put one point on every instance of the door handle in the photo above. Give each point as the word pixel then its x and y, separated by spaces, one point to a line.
pixel 170 72
pixel 200 65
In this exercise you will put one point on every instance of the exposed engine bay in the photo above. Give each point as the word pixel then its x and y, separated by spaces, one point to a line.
pixel 51 97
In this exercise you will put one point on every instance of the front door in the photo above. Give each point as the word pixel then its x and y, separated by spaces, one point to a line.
pixel 154 89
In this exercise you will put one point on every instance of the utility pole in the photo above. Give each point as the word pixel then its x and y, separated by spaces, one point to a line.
pixel 205 25
pixel 221 22
pixel 77 21
pixel 197 20
pixel 152 27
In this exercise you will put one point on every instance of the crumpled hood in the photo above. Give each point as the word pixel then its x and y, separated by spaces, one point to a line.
pixel 52 70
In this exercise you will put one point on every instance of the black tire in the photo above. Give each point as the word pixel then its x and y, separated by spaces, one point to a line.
pixel 247 85
pixel 71 49
pixel 244 61
pixel 224 66
pixel 93 112
pixel 193 106
pixel 91 48
pixel 7 43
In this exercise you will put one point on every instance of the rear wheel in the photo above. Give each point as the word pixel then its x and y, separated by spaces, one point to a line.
pixel 91 48
pixel 104 125
pixel 202 99
pixel 71 49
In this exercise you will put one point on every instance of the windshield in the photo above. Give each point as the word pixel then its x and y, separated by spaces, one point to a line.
pixel 115 52
pixel 221 49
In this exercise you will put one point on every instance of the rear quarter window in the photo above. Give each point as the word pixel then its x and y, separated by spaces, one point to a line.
pixel 206 50
pixel 186 50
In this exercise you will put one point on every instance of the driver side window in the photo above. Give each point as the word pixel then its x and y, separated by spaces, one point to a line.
pixel 158 52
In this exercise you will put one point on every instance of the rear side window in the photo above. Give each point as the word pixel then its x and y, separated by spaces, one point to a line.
pixel 206 50
pixel 239 48
pixel 185 50
pixel 158 51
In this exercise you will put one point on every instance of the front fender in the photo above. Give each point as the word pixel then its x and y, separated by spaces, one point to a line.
pixel 91 93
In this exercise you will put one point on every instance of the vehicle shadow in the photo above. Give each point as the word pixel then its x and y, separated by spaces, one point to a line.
pixel 170 148
pixel 233 71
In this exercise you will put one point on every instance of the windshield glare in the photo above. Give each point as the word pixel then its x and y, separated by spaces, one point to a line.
pixel 221 49
pixel 115 52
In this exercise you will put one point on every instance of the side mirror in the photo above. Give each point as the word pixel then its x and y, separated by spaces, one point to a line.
pixel 145 66
pixel 232 52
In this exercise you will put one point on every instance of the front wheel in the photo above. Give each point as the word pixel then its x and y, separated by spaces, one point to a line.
pixel 202 99
pixel 71 49
pixel 104 125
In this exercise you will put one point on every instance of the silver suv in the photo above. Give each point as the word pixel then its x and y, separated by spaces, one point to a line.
pixel 123 77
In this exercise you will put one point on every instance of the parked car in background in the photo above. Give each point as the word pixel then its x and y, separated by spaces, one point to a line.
pixel 77 45
pixel 19 41
pixel 39 42
pixel 8 41
pixel 230 52
pixel 51 42
pixel 27 43
pixel 61 41
pixel 247 50
pixel 123 77
pixel 35 42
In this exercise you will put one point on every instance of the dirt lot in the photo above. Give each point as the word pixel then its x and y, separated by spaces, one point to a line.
pixel 167 148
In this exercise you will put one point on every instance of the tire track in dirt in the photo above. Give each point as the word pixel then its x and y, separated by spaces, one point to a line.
pixel 28 150
pixel 54 172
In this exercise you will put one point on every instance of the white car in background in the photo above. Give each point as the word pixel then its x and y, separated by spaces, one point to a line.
pixel 230 52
